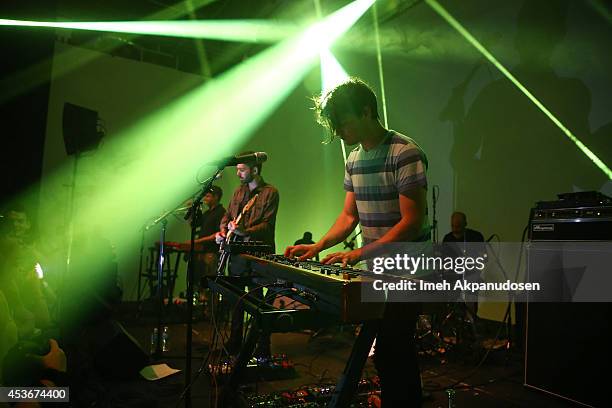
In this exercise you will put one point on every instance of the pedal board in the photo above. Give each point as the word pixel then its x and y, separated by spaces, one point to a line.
pixel 277 367
pixel 315 396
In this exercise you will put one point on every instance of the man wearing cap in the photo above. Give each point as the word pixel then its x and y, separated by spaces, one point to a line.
pixel 256 224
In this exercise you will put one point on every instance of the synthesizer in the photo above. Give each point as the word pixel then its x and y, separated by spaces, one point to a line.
pixel 327 288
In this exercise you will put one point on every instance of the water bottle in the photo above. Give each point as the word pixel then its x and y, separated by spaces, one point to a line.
pixel 196 298
pixel 165 339
pixel 451 398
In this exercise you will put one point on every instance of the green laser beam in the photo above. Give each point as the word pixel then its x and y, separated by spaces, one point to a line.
pixel 472 40
pixel 601 8
pixel 333 74
pixel 206 71
pixel 379 64
pixel 179 9
pixel 252 31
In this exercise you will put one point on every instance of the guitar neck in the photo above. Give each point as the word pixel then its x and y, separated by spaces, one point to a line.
pixel 238 219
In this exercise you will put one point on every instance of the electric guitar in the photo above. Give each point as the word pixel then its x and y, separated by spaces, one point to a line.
pixel 230 236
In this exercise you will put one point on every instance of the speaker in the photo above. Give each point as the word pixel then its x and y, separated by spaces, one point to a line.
pixel 80 128
pixel 566 345
pixel 116 354
pixel 567 351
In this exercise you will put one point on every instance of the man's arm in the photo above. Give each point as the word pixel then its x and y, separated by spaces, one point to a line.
pixel 207 238
pixel 223 224
pixel 344 225
pixel 413 205
pixel 218 217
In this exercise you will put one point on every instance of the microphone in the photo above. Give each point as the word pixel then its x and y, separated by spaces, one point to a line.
pixel 182 209
pixel 252 158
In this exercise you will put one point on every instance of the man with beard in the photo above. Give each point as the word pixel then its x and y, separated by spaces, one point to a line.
pixel 257 224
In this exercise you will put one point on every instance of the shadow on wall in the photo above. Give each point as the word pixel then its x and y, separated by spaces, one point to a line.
pixel 507 154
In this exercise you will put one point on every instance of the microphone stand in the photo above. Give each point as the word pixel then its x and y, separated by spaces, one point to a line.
pixel 434 223
pixel 193 211
pixel 160 276
pixel 142 240
pixel 160 264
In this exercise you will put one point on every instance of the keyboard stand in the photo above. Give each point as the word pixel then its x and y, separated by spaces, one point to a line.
pixel 267 319
pixel 347 383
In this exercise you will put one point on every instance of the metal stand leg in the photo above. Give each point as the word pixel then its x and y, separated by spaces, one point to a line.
pixel 152 271
pixel 173 276
pixel 347 384
pixel 239 368
pixel 160 282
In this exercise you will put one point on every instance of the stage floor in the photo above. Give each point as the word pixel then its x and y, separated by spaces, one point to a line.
pixel 320 359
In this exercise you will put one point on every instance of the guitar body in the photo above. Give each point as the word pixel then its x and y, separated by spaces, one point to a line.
pixel 224 249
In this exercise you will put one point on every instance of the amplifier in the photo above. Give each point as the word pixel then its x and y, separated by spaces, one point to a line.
pixel 582 216
pixel 564 356
pixel 571 224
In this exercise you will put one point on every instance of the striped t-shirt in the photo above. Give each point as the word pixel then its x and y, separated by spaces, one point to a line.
pixel 378 176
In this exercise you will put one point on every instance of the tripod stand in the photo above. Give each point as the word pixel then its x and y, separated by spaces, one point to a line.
pixel 459 323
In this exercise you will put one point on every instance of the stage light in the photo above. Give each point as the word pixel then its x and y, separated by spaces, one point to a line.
pixel 474 42
pixel 332 73
pixel 39 271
